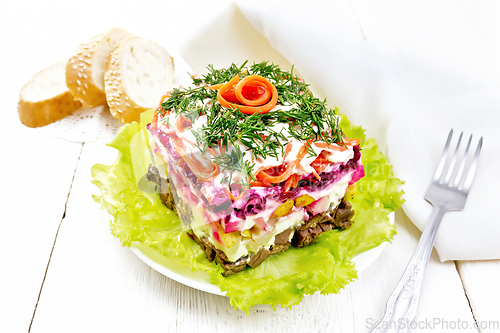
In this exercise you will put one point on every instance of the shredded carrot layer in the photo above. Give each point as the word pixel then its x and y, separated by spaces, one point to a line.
pixel 259 183
pixel 201 171
pixel 263 176
pixel 291 182
pixel 331 146
pixel 231 196
pixel 182 123
pixel 288 175
pixel 352 142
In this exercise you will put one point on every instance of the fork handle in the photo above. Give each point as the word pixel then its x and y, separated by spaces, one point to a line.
pixel 403 302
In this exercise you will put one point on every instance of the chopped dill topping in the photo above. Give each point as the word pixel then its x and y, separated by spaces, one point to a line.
pixel 305 117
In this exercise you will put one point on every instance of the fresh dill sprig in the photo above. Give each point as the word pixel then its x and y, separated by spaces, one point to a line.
pixel 233 160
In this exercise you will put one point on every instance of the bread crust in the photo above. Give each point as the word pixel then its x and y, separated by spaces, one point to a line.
pixel 42 113
pixel 120 104
pixel 79 75
pixel 56 104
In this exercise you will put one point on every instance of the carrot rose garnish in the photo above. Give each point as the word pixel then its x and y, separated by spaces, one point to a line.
pixel 253 94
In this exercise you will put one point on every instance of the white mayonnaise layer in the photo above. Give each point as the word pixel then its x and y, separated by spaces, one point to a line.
pixel 304 167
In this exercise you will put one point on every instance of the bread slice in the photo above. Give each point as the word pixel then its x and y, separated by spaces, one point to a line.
pixel 138 73
pixel 45 98
pixel 85 69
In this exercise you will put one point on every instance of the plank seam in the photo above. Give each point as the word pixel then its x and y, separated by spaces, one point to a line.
pixel 55 238
pixel 467 296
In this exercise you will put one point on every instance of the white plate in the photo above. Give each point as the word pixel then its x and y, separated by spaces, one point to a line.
pixel 201 281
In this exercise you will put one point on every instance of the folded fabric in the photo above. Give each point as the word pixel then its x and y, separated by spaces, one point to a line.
pixel 405 99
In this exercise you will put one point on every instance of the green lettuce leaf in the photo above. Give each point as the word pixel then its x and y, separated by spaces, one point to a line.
pixel 281 280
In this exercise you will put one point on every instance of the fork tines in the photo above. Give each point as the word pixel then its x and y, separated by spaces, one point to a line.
pixel 458 175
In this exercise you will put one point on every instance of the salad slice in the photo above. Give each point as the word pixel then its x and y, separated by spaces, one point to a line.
pixel 253 163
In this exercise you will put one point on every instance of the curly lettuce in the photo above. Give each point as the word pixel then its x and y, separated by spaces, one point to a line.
pixel 281 280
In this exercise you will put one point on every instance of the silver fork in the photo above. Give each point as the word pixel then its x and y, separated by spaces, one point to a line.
pixel 447 191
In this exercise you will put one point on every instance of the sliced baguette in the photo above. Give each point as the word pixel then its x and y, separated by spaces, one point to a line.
pixel 85 69
pixel 45 98
pixel 138 73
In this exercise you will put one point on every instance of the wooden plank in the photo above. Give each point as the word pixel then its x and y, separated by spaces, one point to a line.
pixel 481 283
pixel 37 172
pixel 94 282
pixel 37 175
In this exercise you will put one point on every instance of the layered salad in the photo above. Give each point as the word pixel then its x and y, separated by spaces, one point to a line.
pixel 252 163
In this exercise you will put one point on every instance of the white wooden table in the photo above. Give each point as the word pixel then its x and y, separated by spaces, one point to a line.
pixel 62 271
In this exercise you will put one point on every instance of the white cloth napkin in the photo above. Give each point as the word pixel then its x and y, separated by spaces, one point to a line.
pixel 406 99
